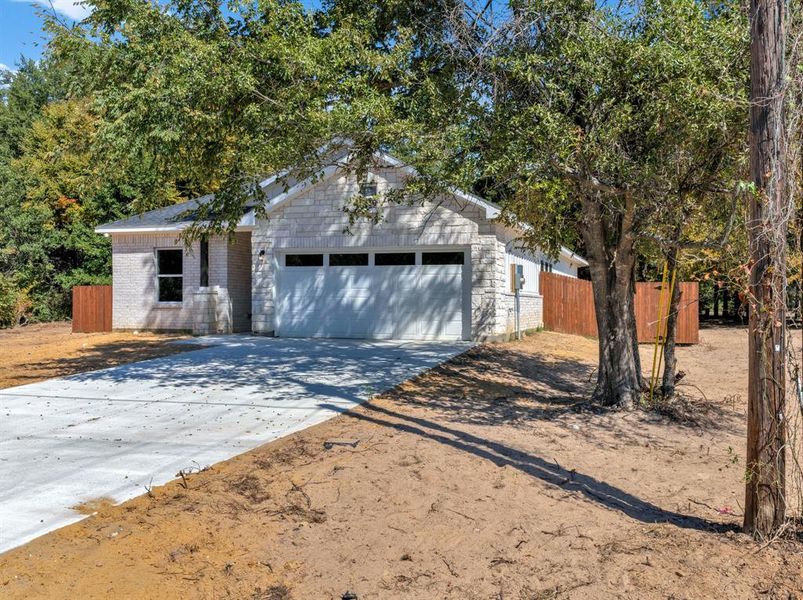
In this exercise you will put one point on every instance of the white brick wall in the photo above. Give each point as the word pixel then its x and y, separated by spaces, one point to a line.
pixel 239 281
pixel 134 291
pixel 532 302
pixel 532 312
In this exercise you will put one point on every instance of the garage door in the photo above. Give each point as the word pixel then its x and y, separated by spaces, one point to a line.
pixel 381 295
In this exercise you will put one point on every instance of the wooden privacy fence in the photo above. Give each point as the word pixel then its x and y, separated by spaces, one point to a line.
pixel 568 305
pixel 648 295
pixel 91 308
pixel 569 308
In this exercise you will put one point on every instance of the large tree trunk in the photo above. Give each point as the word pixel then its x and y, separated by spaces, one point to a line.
pixel 611 259
pixel 765 504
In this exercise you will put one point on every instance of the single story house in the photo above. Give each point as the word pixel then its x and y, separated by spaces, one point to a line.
pixel 441 270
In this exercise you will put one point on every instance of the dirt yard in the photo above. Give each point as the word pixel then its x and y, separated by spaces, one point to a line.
pixel 36 352
pixel 489 477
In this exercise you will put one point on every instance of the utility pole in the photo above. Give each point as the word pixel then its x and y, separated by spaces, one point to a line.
pixel 765 496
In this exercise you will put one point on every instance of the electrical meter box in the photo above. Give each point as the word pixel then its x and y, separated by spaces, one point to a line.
pixel 516 278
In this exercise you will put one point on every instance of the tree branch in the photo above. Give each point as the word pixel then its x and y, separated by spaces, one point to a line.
pixel 588 181
pixel 709 244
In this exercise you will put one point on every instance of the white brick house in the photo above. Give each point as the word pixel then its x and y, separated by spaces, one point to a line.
pixel 441 270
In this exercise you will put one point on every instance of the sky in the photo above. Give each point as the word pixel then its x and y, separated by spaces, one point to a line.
pixel 21 26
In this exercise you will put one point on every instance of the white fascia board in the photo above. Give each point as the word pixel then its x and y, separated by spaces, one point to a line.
pixel 246 223
pixel 564 251
pixel 345 142
pixel 134 229
pixel 270 180
pixel 572 257
pixel 491 211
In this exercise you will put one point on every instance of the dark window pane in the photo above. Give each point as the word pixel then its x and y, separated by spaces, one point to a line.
pixel 304 260
pixel 442 258
pixel 170 262
pixel 368 189
pixel 348 260
pixel 170 289
pixel 392 259
pixel 204 263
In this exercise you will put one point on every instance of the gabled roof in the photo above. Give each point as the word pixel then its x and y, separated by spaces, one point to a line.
pixel 175 217
pixel 292 189
pixel 278 190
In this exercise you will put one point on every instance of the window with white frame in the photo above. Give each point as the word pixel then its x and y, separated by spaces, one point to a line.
pixel 546 266
pixel 170 274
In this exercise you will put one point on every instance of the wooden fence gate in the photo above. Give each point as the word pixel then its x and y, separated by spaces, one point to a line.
pixel 91 308
pixel 569 308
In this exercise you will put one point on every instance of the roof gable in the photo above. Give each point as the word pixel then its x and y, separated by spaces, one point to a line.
pixel 296 188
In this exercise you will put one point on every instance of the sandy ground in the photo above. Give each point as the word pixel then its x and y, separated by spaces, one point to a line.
pixel 42 351
pixel 488 477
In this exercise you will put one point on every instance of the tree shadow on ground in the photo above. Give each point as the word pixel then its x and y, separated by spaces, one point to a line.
pixel 496 385
pixel 98 356
pixel 551 473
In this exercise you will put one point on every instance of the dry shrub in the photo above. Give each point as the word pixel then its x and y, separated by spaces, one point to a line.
pixel 684 409
pixel 274 592
pixel 250 487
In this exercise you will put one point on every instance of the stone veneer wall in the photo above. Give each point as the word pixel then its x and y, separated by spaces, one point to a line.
pixel 532 312
pixel 316 220
pixel 531 304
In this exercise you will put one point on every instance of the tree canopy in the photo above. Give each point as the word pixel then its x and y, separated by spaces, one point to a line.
pixel 594 127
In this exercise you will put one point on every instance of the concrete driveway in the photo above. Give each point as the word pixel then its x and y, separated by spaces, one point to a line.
pixel 110 433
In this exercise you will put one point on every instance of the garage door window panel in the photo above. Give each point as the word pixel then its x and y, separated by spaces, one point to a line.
pixel 304 260
pixel 170 275
pixel 394 259
pixel 348 260
pixel 442 258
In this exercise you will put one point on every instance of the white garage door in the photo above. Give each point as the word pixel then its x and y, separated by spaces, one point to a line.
pixel 385 295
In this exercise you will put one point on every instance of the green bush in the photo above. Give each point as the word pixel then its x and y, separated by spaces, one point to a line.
pixel 14 302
